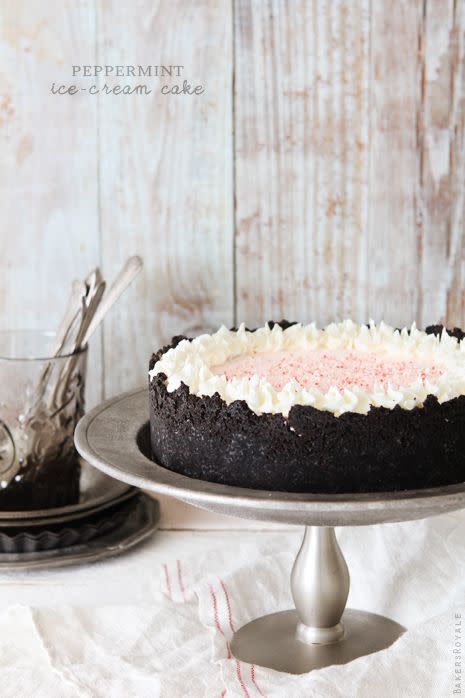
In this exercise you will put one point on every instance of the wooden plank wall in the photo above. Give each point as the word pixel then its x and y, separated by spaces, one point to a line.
pixel 320 175
pixel 302 158
pixel 48 173
pixel 442 163
pixel 166 180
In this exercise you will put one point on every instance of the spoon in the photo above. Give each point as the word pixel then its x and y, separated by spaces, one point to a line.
pixel 73 310
pixel 89 303
pixel 95 306
pixel 125 277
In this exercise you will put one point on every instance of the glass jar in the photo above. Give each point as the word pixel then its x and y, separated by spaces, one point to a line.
pixel 41 401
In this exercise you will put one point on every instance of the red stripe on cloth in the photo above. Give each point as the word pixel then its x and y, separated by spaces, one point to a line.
pixel 240 679
pixel 167 581
pixel 228 604
pixel 215 611
pixel 231 625
pixel 217 620
pixel 223 693
pixel 252 676
pixel 181 583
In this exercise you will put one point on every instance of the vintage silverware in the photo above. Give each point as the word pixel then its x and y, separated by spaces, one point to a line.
pixel 125 277
pixel 51 403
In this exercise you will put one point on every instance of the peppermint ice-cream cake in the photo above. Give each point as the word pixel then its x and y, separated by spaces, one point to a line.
pixel 347 408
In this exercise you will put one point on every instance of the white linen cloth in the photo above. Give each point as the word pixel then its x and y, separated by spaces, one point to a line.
pixel 176 642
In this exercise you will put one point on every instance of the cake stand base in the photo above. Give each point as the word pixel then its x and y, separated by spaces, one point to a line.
pixel 114 437
pixel 272 641
pixel 320 632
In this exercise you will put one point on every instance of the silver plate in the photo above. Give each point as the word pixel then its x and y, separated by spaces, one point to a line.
pixel 97 491
pixel 110 437
pixel 136 528
pixel 43 521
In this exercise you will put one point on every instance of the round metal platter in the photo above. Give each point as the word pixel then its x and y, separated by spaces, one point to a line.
pixel 97 491
pixel 114 438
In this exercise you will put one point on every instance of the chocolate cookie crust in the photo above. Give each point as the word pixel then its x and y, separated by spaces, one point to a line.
pixel 311 450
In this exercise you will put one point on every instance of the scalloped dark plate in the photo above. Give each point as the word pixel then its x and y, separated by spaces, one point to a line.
pixel 51 537
pixel 135 526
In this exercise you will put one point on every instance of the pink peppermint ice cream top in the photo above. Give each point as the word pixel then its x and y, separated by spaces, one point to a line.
pixel 322 369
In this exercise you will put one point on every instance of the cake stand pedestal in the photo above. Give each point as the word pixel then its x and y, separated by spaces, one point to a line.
pixel 114 437
pixel 319 632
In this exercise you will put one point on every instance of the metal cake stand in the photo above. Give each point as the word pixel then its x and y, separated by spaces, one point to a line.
pixel 319 631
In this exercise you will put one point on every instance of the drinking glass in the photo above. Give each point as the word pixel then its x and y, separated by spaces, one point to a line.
pixel 41 401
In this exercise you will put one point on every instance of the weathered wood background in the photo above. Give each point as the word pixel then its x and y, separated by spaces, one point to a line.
pixel 320 175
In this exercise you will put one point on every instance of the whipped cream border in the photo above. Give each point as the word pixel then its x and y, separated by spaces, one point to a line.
pixel 190 361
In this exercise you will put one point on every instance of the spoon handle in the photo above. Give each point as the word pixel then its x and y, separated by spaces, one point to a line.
pixel 125 277
pixel 78 291
pixel 68 321
pixel 89 307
